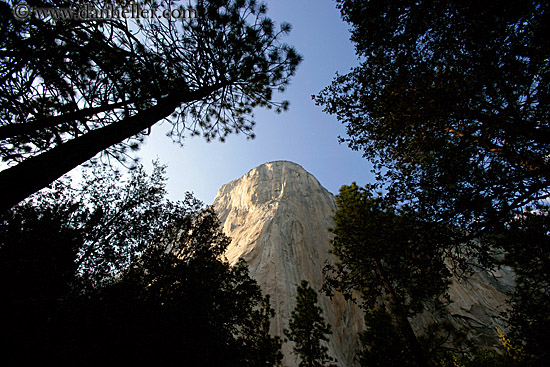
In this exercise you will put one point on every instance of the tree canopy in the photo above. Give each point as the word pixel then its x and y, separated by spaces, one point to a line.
pixel 72 89
pixel 381 246
pixel 451 103
pixel 70 240
pixel 113 218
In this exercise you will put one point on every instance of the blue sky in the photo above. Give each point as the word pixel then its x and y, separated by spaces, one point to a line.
pixel 304 134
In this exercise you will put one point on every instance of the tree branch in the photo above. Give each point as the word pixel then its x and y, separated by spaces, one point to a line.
pixel 13 130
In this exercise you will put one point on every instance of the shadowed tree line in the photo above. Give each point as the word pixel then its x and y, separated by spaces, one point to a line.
pixel 393 264
pixel 114 273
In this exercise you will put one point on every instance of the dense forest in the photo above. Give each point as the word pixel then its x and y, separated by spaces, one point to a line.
pixel 450 102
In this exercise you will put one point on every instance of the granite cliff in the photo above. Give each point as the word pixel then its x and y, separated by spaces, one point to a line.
pixel 278 216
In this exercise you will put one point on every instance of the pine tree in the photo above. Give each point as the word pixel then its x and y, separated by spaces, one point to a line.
pixel 71 90
pixel 261 348
pixel 308 329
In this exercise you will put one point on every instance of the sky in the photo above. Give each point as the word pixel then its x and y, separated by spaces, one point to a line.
pixel 304 134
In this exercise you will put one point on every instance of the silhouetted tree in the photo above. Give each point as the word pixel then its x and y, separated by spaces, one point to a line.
pixel 262 349
pixel 123 216
pixel 68 240
pixel 72 89
pixel 451 104
pixel 37 266
pixel 115 216
pixel 382 343
pixel 308 329
pixel 180 302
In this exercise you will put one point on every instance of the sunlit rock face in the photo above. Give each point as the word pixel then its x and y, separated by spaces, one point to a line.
pixel 278 216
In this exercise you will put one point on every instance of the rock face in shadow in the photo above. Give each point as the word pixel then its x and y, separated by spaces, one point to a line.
pixel 278 216
pixel 478 303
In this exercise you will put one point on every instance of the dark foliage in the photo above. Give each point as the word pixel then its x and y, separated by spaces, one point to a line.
pixel 81 283
pixel 382 343
pixel 527 242
pixel 37 253
pixel 112 219
pixel 451 103
pixel 185 306
pixel 380 245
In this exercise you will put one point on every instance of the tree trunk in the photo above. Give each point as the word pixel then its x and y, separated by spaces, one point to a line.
pixel 402 320
pixel 35 173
